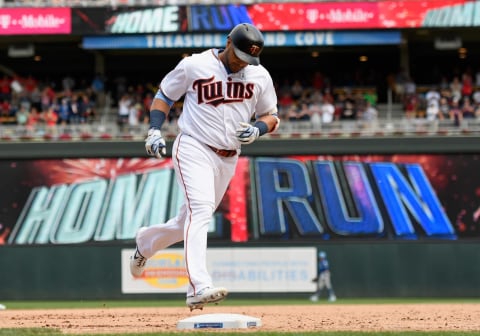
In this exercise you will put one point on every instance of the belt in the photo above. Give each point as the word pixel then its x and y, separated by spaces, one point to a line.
pixel 223 152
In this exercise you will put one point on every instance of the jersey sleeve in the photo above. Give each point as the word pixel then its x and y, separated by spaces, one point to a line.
pixel 268 98
pixel 175 83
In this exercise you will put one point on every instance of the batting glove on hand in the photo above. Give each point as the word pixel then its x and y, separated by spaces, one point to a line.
pixel 155 144
pixel 247 133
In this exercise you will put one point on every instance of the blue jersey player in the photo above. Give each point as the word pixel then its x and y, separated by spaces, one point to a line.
pixel 323 279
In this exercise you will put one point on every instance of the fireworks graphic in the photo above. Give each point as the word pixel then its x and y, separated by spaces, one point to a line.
pixel 78 170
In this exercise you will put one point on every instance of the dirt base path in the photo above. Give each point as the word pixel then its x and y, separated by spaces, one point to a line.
pixel 298 318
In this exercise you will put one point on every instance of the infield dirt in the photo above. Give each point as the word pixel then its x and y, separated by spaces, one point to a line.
pixel 321 317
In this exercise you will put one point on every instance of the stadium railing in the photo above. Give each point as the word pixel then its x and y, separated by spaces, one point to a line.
pixel 288 129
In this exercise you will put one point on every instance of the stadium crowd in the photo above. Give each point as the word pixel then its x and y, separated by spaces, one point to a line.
pixel 40 105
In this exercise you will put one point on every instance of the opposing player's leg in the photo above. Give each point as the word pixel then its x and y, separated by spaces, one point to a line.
pixel 328 285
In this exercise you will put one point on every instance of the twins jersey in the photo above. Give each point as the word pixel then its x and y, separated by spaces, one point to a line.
pixel 215 101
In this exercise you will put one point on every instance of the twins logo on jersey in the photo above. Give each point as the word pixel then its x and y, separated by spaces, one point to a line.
pixel 211 92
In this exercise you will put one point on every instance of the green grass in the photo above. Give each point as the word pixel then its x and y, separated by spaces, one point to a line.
pixel 228 302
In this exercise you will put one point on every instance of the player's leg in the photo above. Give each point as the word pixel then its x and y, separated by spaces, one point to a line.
pixel 321 282
pixel 224 175
pixel 316 295
pixel 154 238
pixel 160 236
pixel 328 284
pixel 195 168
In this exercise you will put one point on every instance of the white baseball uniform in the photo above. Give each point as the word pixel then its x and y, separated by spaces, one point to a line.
pixel 214 105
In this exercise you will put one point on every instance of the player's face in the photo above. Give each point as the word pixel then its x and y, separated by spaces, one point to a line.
pixel 234 63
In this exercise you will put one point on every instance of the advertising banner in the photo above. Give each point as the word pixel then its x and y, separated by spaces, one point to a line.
pixel 269 17
pixel 35 21
pixel 304 198
pixel 211 40
pixel 278 17
pixel 266 270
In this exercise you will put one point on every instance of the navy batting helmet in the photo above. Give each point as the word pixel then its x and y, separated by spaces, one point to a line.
pixel 247 42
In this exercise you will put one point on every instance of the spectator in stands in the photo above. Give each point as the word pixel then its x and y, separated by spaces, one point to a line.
pixel 5 109
pixel 92 96
pixel 433 94
pixel 444 109
pixel 401 78
pixel 328 96
pixel 47 98
pixel 467 85
pixel 30 84
pixel 5 88
pixel 328 112
pixel 292 112
pixel 98 88
pixel 349 109
pixel 124 109
pixel 444 83
pixel 297 90
pixel 22 115
pixel 468 110
pixel 369 112
pixel 50 118
pixel 76 108
pixel 410 87
pixel 64 111
pixel 34 119
pixel 477 112
pixel 134 113
pixel 411 106
pixel 371 96
pixel 284 103
pixel 36 97
pixel 89 112
pixel 305 113
pixel 316 115
pixel 456 88
pixel 16 87
pixel 476 97
pixel 456 114
pixel 147 100
pixel 316 97
pixel 433 111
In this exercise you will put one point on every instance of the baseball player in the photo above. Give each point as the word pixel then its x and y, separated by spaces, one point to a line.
pixel 323 279
pixel 224 90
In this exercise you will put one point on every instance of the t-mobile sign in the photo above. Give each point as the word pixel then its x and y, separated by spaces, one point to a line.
pixel 35 21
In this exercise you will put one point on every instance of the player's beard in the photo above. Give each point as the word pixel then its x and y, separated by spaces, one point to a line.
pixel 231 66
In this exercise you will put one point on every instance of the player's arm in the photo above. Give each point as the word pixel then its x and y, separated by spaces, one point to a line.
pixel 154 143
pixel 264 124
pixel 271 120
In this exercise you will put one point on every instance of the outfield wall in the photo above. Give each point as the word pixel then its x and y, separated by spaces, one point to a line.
pixel 358 270
pixel 419 241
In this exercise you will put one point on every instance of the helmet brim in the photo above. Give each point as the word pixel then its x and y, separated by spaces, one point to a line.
pixel 246 57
